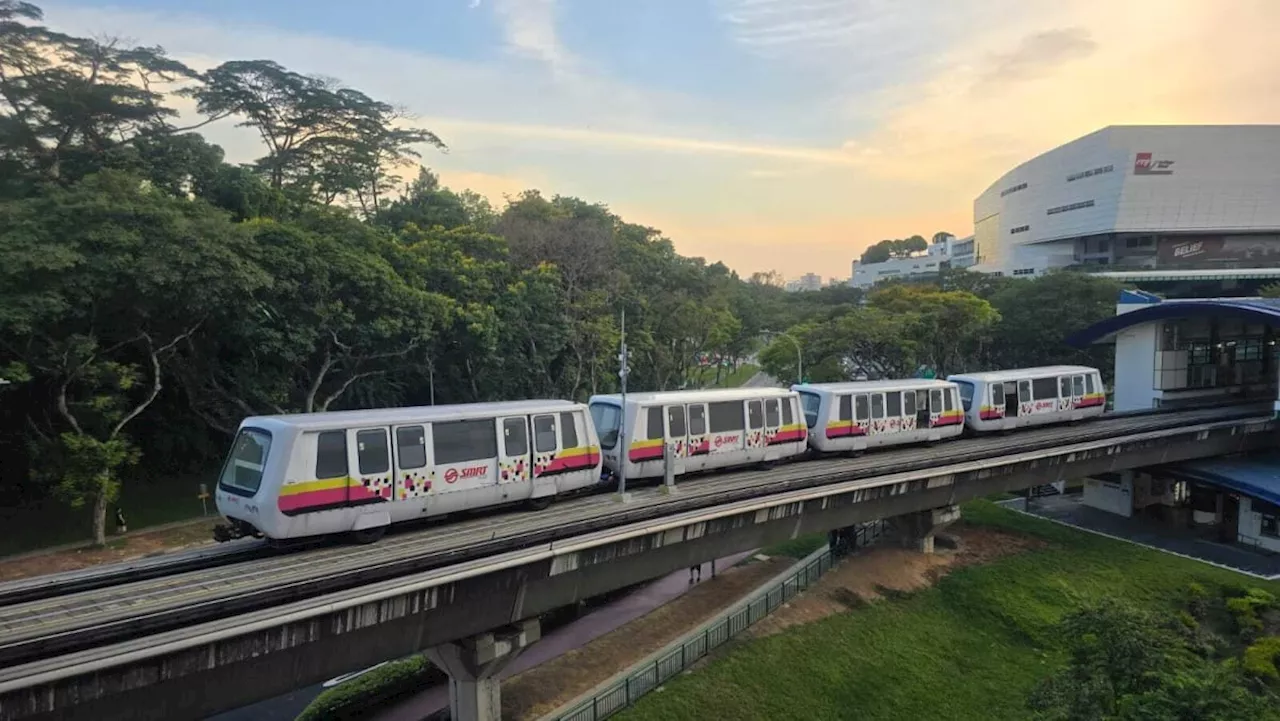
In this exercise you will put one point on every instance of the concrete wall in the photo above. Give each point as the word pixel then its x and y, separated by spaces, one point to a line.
pixel 1113 497
pixel 1135 368
pixel 1250 528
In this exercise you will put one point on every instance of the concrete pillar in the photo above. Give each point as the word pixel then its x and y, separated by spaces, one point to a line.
pixel 916 530
pixel 473 665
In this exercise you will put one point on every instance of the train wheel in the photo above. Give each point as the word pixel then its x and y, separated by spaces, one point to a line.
pixel 539 504
pixel 369 535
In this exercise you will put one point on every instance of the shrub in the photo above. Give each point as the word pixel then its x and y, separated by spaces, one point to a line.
pixel 1260 658
pixel 380 684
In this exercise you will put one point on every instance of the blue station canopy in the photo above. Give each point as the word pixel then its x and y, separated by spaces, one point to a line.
pixel 1257 310
pixel 1255 475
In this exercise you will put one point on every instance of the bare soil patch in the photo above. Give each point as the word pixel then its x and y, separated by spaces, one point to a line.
pixel 121 548
pixel 871 574
pixel 545 687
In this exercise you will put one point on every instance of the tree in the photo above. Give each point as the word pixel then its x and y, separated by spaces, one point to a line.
pixel 887 249
pixel 947 326
pixel 65 101
pixel 1028 334
pixel 99 284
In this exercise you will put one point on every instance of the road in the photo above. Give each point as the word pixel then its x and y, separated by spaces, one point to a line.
pixel 761 380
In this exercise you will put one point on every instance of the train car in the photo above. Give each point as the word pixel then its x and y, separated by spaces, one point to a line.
pixel 852 417
pixel 710 429
pixel 1005 400
pixel 358 472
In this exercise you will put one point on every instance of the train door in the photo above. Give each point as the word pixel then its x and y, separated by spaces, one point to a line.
pixel 464 458
pixel 877 425
pixel 861 415
pixel 699 441
pixel 772 420
pixel 678 434
pixel 514 465
pixel 908 422
pixel 1026 402
pixel 373 462
pixel 1010 391
pixel 546 448
pixel 411 473
pixel 935 407
pixel 755 424
pixel 1077 390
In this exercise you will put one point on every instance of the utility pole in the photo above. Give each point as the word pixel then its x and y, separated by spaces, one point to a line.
pixel 623 371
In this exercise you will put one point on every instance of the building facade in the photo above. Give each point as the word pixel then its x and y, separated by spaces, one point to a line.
pixel 923 265
pixel 1137 198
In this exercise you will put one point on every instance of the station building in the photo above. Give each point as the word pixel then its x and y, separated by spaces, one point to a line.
pixel 1178 353
pixel 1141 202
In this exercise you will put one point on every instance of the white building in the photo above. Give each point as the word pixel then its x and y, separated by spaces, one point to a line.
pixel 924 264
pixel 1137 198
pixel 806 282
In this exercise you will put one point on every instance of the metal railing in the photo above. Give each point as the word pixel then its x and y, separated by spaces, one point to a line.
pixel 625 689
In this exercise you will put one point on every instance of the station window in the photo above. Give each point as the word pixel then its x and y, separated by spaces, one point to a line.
pixel 462 441
pixel 568 430
pixel 411 447
pixel 372 452
pixel 608 420
pixel 331 454
pixel 1269 516
pixel 726 416
pixel 697 419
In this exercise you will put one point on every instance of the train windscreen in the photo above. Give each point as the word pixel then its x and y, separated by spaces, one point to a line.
pixel 608 418
pixel 242 472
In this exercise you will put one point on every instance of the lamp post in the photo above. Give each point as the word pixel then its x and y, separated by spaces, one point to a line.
pixel 624 370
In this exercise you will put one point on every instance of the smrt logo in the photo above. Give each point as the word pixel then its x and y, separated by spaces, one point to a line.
pixel 1144 164
pixel 451 475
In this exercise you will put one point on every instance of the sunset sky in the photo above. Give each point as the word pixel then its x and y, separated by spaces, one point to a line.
pixel 770 134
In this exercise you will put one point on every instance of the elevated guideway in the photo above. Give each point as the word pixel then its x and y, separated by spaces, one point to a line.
pixel 192 644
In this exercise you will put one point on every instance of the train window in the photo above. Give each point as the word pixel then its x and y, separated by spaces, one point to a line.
pixel 331 454
pixel 935 401
pixel 1077 386
pixel 909 403
pixel 675 422
pixel 726 416
pixel 893 404
pixel 697 419
pixel 1024 391
pixel 372 452
pixel 788 412
pixel 772 416
pixel 462 441
pixel 1044 389
pixel 411 447
pixel 568 431
pixel 846 408
pixel 754 415
pixel 877 405
pixel 1088 383
pixel 809 403
pixel 653 423
pixel 544 433
pixel 247 460
pixel 1064 387
pixel 948 399
pixel 860 408
pixel 608 420
pixel 515 437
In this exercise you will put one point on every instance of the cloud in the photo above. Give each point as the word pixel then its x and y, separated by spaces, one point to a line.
pixel 1037 55
pixel 530 30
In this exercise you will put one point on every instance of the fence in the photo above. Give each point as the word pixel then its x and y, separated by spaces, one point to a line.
pixel 622 691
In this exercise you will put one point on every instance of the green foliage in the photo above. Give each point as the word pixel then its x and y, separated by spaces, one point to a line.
pixel 971 647
pixel 349 699
pixel 901 248
pixel 797 547
pixel 1261 658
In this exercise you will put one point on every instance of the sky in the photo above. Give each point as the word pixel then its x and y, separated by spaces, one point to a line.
pixel 779 135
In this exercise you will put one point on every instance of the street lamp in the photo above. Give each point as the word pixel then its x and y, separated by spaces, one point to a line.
pixel 799 353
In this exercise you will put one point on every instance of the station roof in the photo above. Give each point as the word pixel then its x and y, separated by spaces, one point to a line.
pixel 1258 310
pixel 1255 475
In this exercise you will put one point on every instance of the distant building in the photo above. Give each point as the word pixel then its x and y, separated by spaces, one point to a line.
pixel 1141 202
pixel 923 265
pixel 806 282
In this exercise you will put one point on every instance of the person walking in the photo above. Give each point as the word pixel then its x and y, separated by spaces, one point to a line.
pixel 695 569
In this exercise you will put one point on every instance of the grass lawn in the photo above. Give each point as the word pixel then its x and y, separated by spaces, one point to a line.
pixel 969 647
pixel 728 378
pixel 144 504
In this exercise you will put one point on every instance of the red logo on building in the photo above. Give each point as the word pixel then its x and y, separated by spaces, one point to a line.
pixel 1145 164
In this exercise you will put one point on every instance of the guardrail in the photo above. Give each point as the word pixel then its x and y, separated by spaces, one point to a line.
pixel 626 688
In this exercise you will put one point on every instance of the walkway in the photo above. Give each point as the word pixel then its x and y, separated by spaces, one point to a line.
pixel 1071 511
pixel 570 637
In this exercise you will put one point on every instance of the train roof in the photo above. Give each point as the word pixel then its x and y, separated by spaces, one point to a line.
pixel 892 384
pixel 1017 373
pixel 709 395
pixel 411 414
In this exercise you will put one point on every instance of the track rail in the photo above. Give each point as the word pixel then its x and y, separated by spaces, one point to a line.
pixel 35 630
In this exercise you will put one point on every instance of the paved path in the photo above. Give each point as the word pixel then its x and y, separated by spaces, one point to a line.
pixel 570 637
pixel 761 380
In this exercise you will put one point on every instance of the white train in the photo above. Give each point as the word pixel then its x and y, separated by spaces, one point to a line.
pixel 358 472
pixel 709 429
pixel 315 474
pixel 852 417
